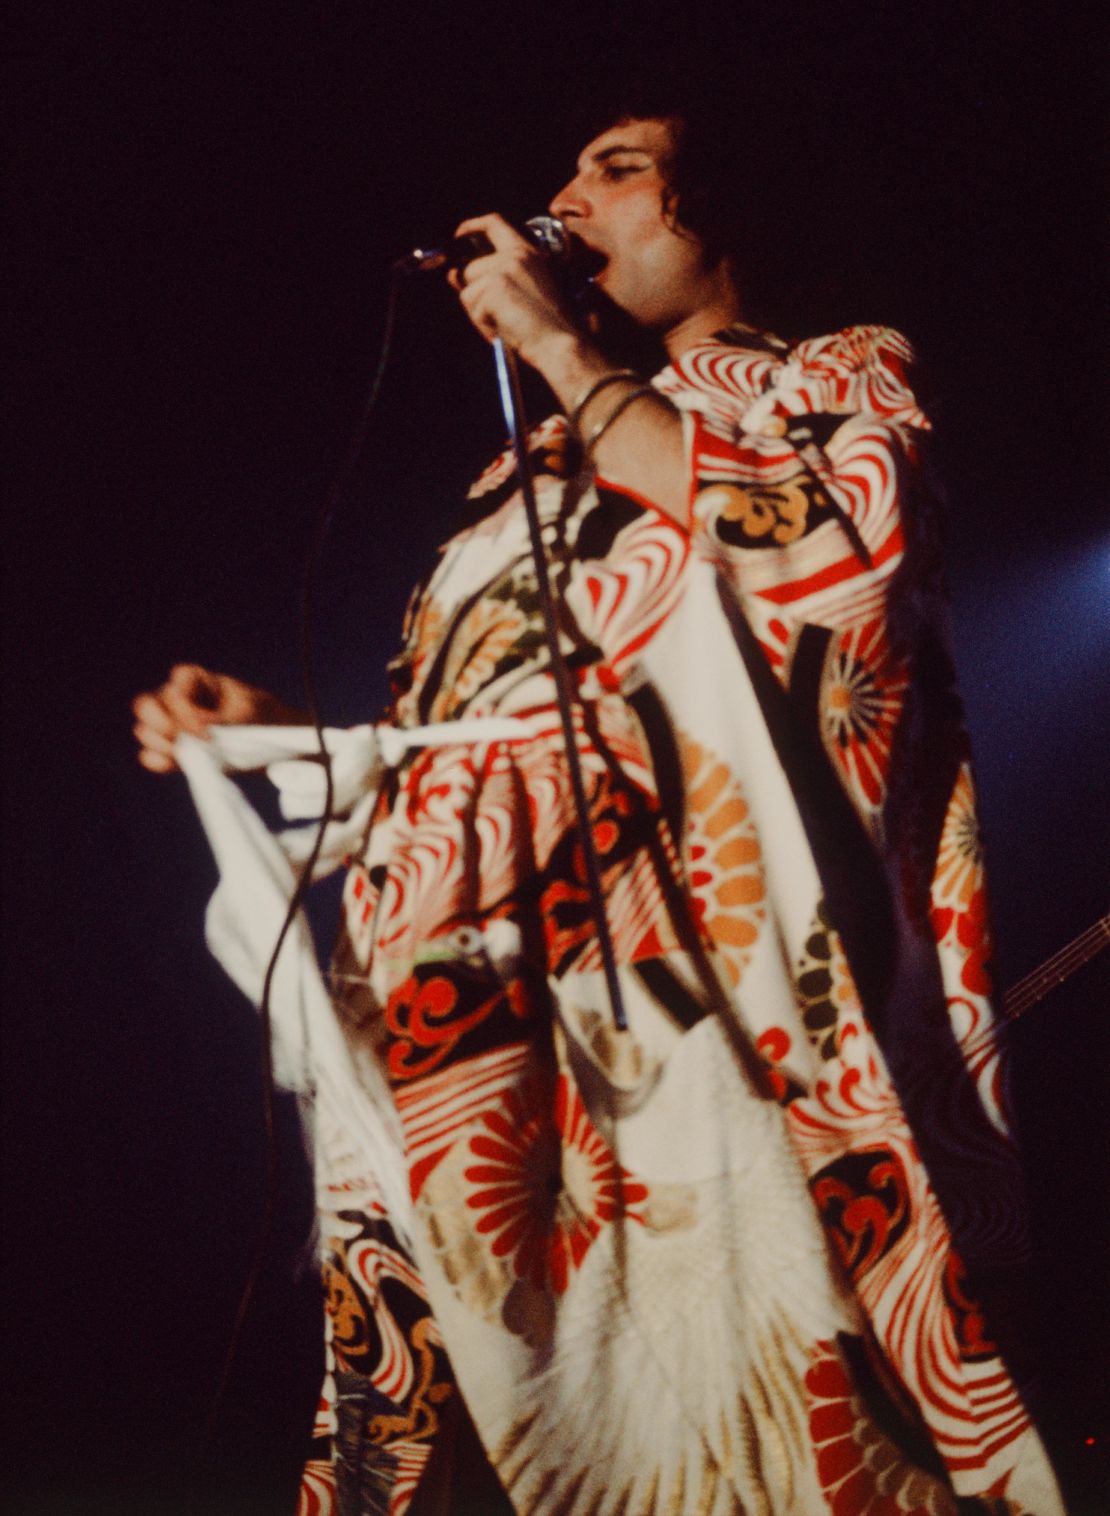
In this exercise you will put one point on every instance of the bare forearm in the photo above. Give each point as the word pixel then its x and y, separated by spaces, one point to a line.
pixel 634 442
pixel 640 448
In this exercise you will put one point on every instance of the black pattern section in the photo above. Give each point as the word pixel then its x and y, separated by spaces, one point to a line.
pixel 810 436
pixel 364 1473
pixel 455 1008
pixel 516 590
pixel 899 1419
pixel 752 338
pixel 815 985
pixel 814 429
pixel 863 1199
pixel 771 515
pixel 622 827
pixel 604 523
pixel 853 880
pixel 856 889
pixel 555 457
pixel 668 990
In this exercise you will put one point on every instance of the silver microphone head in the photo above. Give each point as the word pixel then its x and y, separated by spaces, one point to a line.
pixel 547 233
pixel 571 258
pixel 550 235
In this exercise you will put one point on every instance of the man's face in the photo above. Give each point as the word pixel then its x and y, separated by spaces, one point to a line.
pixel 615 205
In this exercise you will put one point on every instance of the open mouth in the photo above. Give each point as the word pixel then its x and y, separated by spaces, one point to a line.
pixel 587 261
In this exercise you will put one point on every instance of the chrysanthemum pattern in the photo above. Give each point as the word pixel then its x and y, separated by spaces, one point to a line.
pixel 520 1198
pixel 544 1183
pixel 959 915
pixel 959 868
pixel 862 694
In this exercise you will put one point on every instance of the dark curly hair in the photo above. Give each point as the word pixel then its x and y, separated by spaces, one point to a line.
pixel 765 172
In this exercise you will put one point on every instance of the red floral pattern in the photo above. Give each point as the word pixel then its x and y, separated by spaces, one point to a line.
pixel 518 1195
pixel 864 1201
pixel 545 1184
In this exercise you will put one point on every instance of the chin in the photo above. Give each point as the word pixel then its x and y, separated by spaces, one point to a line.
pixel 624 336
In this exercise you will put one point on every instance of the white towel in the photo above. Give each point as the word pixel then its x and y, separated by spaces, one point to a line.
pixel 257 880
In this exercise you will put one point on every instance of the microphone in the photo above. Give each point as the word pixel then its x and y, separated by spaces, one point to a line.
pixel 546 233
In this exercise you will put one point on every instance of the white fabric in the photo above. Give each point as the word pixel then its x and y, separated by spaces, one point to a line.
pixel 257 881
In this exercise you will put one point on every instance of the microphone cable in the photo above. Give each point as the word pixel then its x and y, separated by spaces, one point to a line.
pixel 550 236
pixel 324 521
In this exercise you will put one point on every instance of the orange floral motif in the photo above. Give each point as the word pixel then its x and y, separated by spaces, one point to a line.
pixel 545 1183
pixel 777 512
pixel 722 856
pixel 490 631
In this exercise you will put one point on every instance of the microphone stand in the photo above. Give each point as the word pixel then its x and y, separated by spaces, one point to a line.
pixel 508 381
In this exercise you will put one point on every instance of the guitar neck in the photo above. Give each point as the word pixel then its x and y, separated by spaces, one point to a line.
pixel 1027 992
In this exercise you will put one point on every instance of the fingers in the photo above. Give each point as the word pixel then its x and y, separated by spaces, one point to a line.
pixel 503 237
pixel 479 301
pixel 189 701
pixel 155 732
pixel 508 294
pixel 191 695
pixel 487 265
pixel 193 699
pixel 156 763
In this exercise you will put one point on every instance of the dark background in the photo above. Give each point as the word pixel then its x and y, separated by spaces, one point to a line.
pixel 207 198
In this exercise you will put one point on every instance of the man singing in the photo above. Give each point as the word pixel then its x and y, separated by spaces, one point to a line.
pixel 729 1259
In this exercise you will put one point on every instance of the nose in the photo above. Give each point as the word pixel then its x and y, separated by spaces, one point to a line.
pixel 570 201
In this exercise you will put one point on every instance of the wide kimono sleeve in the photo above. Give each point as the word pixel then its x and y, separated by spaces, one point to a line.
pixel 812 566
pixel 786 655
pixel 807 500
pixel 704 1261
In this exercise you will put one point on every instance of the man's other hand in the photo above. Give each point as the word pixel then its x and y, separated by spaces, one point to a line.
pixel 193 699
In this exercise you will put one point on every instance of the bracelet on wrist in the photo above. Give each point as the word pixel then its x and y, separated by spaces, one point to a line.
pixel 595 388
pixel 618 410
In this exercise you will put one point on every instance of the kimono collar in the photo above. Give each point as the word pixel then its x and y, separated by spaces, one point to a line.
pixel 739 334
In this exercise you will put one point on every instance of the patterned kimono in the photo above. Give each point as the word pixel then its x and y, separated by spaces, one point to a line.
pixel 721 1261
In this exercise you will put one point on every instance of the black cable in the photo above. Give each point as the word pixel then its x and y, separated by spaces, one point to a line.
pixel 324 520
pixel 595 887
